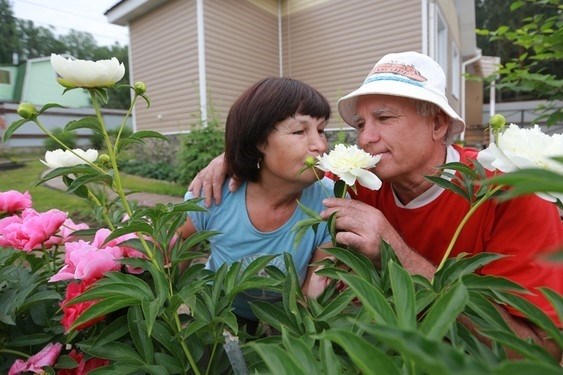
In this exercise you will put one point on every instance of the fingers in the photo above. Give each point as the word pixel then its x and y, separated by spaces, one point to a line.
pixel 234 184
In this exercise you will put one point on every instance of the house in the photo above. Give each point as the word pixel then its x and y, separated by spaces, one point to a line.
pixel 34 81
pixel 197 56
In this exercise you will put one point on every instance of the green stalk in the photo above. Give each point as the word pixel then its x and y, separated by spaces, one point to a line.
pixel 463 222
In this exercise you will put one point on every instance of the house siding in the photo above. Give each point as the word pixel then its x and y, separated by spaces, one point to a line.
pixel 164 56
pixel 334 44
pixel 241 47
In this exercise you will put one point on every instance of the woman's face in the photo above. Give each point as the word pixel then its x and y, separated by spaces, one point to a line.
pixel 289 144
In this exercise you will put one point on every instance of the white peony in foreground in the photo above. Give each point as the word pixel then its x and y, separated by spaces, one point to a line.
pixel 60 158
pixel 350 163
pixel 520 148
pixel 83 73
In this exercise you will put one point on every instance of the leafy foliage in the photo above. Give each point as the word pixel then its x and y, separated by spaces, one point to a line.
pixel 199 147
pixel 530 47
pixel 68 138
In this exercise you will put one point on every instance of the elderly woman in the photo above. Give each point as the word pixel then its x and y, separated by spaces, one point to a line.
pixel 271 129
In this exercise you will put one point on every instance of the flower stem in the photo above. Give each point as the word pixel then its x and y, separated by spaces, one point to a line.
pixel 467 216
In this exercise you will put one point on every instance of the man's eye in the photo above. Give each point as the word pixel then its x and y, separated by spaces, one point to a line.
pixel 297 132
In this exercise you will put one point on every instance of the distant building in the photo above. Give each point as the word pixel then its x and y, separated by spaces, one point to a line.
pixel 34 81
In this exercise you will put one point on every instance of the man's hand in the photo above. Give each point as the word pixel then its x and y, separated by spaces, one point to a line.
pixel 210 180
pixel 363 227
pixel 358 225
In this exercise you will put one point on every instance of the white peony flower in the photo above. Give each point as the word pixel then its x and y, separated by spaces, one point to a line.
pixel 83 73
pixel 350 163
pixel 520 148
pixel 60 158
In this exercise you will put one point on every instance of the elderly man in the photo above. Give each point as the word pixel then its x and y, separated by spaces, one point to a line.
pixel 401 112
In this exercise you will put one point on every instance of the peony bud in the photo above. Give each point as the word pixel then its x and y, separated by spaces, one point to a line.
pixel 27 111
pixel 104 158
pixel 310 162
pixel 497 122
pixel 140 88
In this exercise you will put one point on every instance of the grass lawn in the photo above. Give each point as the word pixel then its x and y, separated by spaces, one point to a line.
pixel 45 198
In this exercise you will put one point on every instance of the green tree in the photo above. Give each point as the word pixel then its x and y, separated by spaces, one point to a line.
pixel 8 33
pixel 530 44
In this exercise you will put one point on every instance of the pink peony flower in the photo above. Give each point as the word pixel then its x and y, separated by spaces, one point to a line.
pixel 72 312
pixel 46 357
pixel 65 233
pixel 32 230
pixel 84 261
pixel 128 251
pixel 84 367
pixel 13 201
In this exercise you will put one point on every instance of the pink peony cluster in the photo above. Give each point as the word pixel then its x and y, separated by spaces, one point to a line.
pixel 13 201
pixel 30 230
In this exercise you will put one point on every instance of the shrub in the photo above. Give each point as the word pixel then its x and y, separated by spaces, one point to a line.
pixel 68 138
pixel 198 148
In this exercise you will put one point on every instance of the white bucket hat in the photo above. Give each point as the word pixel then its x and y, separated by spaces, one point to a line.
pixel 408 74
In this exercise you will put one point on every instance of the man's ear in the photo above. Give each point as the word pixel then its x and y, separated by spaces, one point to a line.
pixel 442 123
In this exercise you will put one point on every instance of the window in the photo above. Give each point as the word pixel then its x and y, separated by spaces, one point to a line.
pixel 441 42
pixel 456 75
pixel 4 76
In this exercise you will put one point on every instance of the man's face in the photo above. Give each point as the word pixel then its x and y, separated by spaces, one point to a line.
pixel 390 126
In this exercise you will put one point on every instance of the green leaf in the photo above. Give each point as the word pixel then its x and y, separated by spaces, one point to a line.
pixel 534 314
pixel 114 351
pixel 526 349
pixel 272 314
pixel 88 122
pixel 446 184
pixel 403 296
pixel 485 311
pixel 340 189
pixel 12 128
pixel 460 266
pixel 139 334
pixel 432 356
pixel 372 299
pixel 162 334
pixel 301 352
pixel 329 361
pixel 102 308
pixel 89 179
pixel 526 368
pixel 113 331
pixel 336 305
pixel 49 106
pixel 444 312
pixel 361 265
pixel 278 359
pixel 363 353
pixel 556 300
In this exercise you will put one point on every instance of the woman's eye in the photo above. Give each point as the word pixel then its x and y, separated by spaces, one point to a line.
pixel 297 132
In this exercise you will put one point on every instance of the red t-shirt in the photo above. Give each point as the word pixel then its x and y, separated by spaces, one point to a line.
pixel 525 229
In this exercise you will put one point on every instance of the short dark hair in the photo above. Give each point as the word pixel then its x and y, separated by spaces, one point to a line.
pixel 255 113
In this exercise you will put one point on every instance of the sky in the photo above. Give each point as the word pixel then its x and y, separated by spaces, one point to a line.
pixel 81 15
